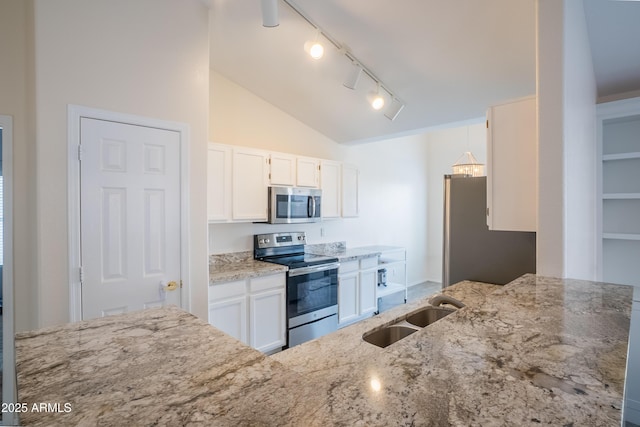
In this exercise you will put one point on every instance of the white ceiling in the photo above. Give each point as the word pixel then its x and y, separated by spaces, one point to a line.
pixel 448 60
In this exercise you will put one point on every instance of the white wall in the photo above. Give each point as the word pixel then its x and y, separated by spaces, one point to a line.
pixel 579 147
pixel 566 240
pixel 399 179
pixel 445 147
pixel 550 233
pixel 16 80
pixel 148 58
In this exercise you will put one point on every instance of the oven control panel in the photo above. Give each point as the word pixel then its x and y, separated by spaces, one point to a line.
pixel 274 240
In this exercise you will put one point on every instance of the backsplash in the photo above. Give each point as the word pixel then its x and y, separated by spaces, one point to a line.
pixel 326 247
pixel 230 257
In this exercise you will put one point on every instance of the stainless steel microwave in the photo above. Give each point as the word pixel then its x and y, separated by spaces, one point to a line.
pixel 292 205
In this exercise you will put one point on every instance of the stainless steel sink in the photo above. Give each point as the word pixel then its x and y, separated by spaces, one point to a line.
pixel 428 315
pixel 388 335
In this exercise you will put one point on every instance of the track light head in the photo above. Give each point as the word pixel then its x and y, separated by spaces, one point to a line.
pixel 354 76
pixel 314 49
pixel 376 99
pixel 394 109
pixel 270 13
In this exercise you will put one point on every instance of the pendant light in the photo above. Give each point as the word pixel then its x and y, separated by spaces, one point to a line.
pixel 467 163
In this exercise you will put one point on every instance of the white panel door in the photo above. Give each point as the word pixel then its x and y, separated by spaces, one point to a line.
pixel 347 297
pixel 330 184
pixel 130 217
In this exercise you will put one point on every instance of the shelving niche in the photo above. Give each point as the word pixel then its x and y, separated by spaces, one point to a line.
pixel 619 131
pixel 394 260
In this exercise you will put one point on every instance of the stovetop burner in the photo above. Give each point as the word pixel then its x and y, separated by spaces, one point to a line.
pixel 286 249
pixel 300 260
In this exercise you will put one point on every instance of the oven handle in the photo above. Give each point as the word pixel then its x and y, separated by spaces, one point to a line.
pixel 313 269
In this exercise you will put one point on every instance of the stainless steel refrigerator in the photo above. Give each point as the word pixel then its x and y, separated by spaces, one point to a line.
pixel 471 250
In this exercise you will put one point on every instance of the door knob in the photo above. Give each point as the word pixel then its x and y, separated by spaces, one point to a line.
pixel 168 286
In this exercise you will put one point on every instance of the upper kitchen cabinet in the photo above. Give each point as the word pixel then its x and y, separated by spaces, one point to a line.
pixel 350 184
pixel 282 169
pixel 512 153
pixel 236 183
pixel 308 172
pixel 619 212
pixel 250 183
pixel 219 182
pixel 330 184
pixel 290 170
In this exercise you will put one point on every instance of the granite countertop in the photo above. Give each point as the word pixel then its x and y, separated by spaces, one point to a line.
pixel 536 351
pixel 239 265
pixel 344 254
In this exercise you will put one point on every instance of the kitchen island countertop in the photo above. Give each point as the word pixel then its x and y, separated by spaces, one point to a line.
pixel 536 351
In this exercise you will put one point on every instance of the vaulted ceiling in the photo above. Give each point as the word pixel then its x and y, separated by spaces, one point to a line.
pixel 446 60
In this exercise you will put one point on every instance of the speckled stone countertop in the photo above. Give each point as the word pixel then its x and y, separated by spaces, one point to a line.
pixel 239 265
pixel 536 351
pixel 344 254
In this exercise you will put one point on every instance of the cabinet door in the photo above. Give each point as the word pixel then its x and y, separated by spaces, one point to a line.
pixel 218 182
pixel 330 184
pixel 347 297
pixel 267 319
pixel 282 169
pixel 230 316
pixel 307 172
pixel 349 191
pixel 512 159
pixel 368 284
pixel 250 170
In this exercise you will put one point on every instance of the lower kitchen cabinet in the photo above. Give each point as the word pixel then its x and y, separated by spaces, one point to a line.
pixel 251 310
pixel 357 281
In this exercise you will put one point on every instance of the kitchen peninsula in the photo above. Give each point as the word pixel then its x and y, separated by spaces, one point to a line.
pixel 536 351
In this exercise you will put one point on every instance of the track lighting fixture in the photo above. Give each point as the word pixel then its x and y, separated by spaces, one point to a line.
pixel 314 48
pixel 354 76
pixel 377 101
pixel 394 109
pixel 270 13
pixel 316 51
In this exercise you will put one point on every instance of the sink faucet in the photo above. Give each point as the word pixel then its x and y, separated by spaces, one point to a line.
pixel 445 299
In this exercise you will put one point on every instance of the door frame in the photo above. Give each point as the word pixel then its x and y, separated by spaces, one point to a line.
pixel 75 114
pixel 9 387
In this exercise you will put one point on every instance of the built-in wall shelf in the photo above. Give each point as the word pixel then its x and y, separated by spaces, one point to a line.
pixel 620 196
pixel 621 236
pixel 620 156
pixel 394 260
pixel 619 191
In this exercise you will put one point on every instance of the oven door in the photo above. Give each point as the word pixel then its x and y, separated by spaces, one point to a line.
pixel 309 290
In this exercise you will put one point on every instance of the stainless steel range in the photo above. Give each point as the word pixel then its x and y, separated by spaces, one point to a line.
pixel 312 284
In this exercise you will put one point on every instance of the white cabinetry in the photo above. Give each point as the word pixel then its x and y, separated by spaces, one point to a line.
pixel 350 184
pixel 251 310
pixel 619 186
pixel 250 172
pixel 219 182
pixel 282 169
pixel 512 153
pixel 330 184
pixel 238 179
pixel 308 172
pixel 357 282
pixel 228 308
